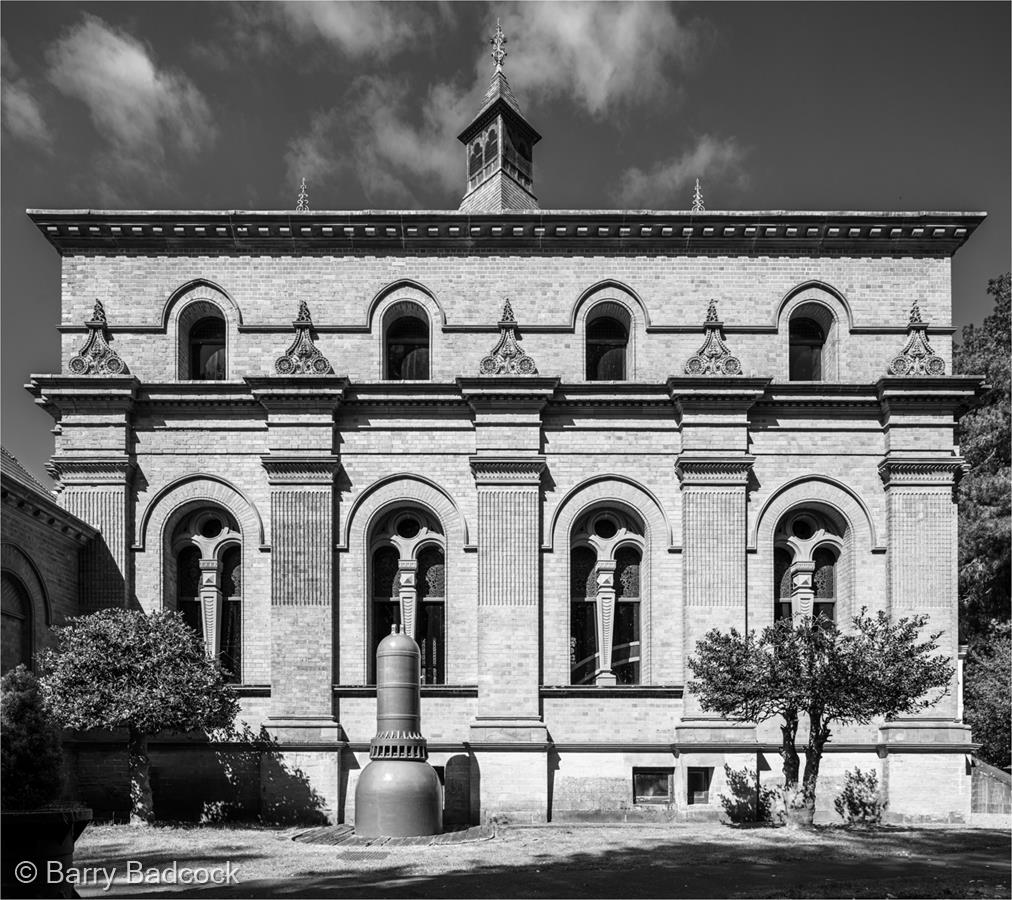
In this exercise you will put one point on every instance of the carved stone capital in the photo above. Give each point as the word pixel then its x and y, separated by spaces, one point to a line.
pixel 300 470
pixel 724 471
pixel 507 469
pixel 921 472
pixel 72 470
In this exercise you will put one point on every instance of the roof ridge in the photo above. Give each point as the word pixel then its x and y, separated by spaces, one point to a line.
pixel 12 466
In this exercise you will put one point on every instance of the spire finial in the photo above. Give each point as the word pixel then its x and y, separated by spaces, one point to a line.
pixel 697 199
pixel 711 313
pixel 498 42
pixel 303 203
pixel 915 315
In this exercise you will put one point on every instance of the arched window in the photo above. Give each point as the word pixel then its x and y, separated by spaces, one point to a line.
pixel 408 587
pixel 407 349
pixel 15 624
pixel 607 343
pixel 207 546
pixel 781 584
pixel 807 340
pixel 605 599
pixel 207 349
pixel 824 583
pixel 807 548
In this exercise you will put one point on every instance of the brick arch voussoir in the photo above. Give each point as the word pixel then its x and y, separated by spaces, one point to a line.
pixel 605 488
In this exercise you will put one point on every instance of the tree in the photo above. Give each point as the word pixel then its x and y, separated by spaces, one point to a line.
pixel 808 666
pixel 145 673
pixel 986 700
pixel 985 513
pixel 31 758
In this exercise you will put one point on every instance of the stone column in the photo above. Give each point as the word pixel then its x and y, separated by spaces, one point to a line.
pixel 508 735
pixel 94 466
pixel 210 604
pixel 715 472
pixel 605 575
pixel 407 592
pixel 802 588
pixel 300 468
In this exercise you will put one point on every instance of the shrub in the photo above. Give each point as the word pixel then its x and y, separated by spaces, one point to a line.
pixel 740 805
pixel 859 802
pixel 32 755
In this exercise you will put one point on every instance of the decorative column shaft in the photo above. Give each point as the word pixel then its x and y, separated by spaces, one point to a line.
pixel 407 593
pixel 605 607
pixel 210 604
pixel 802 588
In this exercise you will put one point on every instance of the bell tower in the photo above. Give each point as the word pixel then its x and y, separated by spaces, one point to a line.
pixel 499 143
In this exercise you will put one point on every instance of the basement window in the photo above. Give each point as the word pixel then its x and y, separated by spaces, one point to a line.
pixel 652 785
pixel 697 785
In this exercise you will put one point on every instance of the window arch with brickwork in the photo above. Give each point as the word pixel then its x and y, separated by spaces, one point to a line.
pixel 16 623
pixel 406 343
pixel 608 326
pixel 203 343
pixel 809 544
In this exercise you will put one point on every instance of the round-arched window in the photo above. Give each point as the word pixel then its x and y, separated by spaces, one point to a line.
pixel 407 349
pixel 607 343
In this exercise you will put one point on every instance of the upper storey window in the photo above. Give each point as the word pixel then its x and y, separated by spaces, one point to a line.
pixel 807 342
pixel 407 349
pixel 207 349
pixel 607 345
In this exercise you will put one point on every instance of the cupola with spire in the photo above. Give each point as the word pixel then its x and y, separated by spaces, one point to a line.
pixel 499 141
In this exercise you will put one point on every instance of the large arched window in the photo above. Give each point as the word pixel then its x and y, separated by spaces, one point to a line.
pixel 605 599
pixel 406 348
pixel 408 587
pixel 15 624
pixel 207 349
pixel 807 340
pixel 808 545
pixel 607 346
pixel 207 547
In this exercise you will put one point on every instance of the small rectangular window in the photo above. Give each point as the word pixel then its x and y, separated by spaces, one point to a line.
pixel 652 785
pixel 697 785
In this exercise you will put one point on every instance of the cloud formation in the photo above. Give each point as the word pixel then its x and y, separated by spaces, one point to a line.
pixel 22 113
pixel 144 111
pixel 669 181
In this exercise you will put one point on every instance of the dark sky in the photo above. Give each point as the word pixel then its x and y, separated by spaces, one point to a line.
pixel 824 106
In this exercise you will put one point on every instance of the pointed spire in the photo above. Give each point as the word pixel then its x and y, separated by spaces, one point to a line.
pixel 697 199
pixel 498 42
pixel 303 203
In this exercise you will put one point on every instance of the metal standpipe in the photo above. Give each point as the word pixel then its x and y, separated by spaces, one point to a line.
pixel 398 793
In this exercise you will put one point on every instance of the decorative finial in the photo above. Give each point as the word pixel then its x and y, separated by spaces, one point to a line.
pixel 714 357
pixel 96 357
pixel 506 357
pixel 498 42
pixel 303 203
pixel 697 199
pixel 303 357
pixel 917 357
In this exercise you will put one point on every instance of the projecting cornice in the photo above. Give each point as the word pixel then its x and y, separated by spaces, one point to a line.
pixel 759 231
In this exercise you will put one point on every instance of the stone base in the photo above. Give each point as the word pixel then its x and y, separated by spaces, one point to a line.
pixel 300 778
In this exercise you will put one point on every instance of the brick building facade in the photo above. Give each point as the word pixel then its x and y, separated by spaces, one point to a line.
pixel 300 427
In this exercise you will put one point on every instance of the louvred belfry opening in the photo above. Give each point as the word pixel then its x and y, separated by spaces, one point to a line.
pixel 499 142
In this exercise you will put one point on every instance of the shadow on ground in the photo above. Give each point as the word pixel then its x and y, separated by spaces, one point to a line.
pixel 888 862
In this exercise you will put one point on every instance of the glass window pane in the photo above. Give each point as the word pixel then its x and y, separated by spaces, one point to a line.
pixel 626 650
pixel 431 642
pixel 15 626
pixel 582 643
pixel 697 784
pixel 431 580
pixel 231 640
pixel 652 785
pixel 582 581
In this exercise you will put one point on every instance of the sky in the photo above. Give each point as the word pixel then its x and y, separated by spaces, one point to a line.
pixel 169 105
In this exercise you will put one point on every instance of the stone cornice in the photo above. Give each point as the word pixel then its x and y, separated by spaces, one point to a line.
pixel 298 392
pixel 62 394
pixel 954 394
pixel 745 231
pixel 922 471
pixel 302 470
pixel 44 509
pixel 89 471
pixel 503 469
pixel 509 391
pixel 697 470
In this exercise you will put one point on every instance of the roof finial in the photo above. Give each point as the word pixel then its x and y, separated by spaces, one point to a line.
pixel 498 42
pixel 303 203
pixel 697 199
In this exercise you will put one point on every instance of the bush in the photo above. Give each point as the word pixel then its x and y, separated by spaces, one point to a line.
pixel 859 802
pixel 740 806
pixel 31 760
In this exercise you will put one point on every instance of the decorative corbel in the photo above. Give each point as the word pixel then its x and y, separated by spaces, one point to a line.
pixel 303 357
pixel 96 357
pixel 507 358
pixel 713 358
pixel 917 357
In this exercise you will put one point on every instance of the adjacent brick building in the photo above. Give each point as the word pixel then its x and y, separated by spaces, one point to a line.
pixel 301 427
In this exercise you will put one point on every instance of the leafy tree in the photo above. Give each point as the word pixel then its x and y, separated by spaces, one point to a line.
pixel 805 666
pixel 985 533
pixel 986 700
pixel 31 760
pixel 146 673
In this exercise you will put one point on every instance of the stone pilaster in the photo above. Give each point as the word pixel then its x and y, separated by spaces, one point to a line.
pixel 94 467
pixel 715 473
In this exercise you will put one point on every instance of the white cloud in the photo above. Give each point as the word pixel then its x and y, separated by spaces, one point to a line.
pixel 144 111
pixel 22 114
pixel 669 181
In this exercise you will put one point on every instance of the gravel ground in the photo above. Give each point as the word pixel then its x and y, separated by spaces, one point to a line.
pixel 673 860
